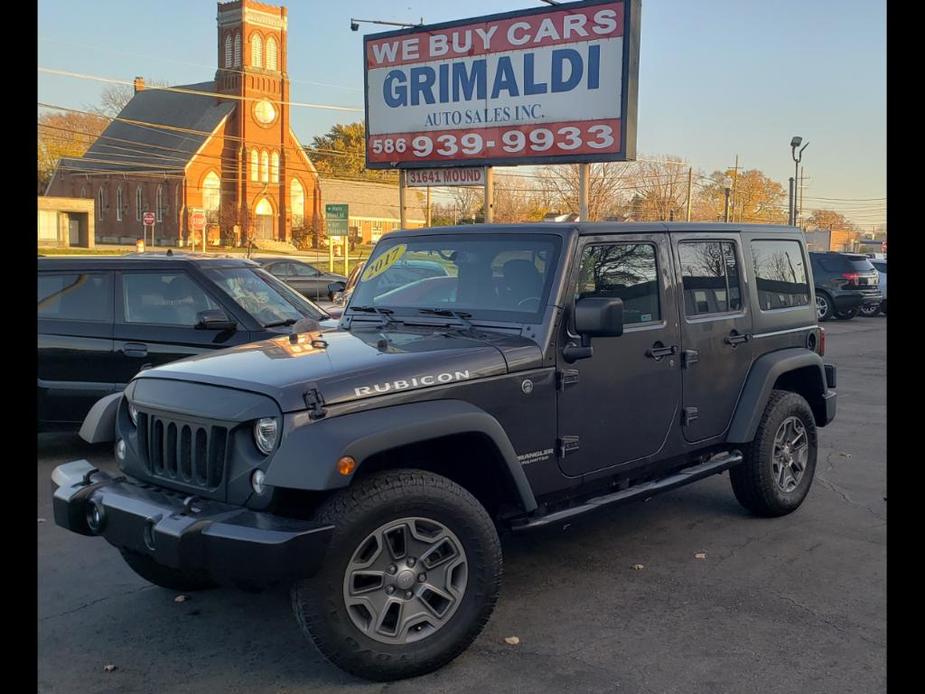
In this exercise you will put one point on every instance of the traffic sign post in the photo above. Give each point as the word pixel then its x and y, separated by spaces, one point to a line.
pixel 197 222
pixel 337 219
pixel 147 220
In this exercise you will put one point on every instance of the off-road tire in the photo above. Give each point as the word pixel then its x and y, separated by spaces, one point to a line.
pixel 355 512
pixel 164 576
pixel 753 480
pixel 829 311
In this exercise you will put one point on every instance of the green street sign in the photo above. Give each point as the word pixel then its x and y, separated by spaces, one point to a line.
pixel 336 217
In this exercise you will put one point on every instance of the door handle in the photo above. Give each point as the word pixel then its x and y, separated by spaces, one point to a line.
pixel 734 338
pixel 135 349
pixel 658 350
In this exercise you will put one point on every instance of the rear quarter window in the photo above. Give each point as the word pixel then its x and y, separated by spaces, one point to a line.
pixel 780 274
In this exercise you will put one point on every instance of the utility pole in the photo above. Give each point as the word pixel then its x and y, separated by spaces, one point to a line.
pixel 690 187
pixel 735 178
pixel 802 181
pixel 401 199
pixel 489 195
pixel 792 205
pixel 583 171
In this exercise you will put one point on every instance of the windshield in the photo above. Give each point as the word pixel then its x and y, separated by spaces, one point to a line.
pixel 503 277
pixel 263 296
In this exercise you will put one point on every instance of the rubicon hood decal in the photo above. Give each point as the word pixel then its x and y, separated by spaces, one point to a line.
pixel 414 382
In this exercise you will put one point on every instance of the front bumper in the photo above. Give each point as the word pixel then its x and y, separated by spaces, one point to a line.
pixel 230 544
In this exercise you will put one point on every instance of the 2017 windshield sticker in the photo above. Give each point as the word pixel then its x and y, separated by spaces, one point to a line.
pixel 384 261
pixel 417 382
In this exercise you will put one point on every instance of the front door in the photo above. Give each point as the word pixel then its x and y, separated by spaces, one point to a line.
pixel 73 231
pixel 621 402
pixel 715 330
pixel 156 317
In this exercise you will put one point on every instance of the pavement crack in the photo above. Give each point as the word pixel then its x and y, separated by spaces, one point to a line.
pixel 841 629
pixel 831 486
pixel 94 602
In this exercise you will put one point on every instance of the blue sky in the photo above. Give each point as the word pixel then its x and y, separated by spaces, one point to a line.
pixel 717 78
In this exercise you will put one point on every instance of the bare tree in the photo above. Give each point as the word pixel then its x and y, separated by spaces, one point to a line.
pixel 607 184
pixel 114 97
pixel 660 188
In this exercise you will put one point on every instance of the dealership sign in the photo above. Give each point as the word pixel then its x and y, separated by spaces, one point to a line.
pixel 546 85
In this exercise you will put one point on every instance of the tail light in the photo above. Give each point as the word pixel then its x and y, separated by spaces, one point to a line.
pixel 850 276
pixel 821 346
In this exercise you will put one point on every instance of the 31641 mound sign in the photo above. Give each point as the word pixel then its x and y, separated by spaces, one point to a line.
pixel 534 86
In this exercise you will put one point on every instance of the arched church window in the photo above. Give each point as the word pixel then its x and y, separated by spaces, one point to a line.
pixel 272 53
pixel 256 51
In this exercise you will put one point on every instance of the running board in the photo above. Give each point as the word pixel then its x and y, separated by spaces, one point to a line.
pixel 714 466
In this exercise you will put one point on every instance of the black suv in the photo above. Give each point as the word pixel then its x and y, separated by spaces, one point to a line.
pixel 572 367
pixel 101 320
pixel 845 283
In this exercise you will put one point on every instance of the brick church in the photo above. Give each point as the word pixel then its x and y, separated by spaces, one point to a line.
pixel 223 147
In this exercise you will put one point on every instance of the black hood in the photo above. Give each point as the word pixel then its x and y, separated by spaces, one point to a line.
pixel 362 363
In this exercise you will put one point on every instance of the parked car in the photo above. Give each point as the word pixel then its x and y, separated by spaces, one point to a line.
pixel 307 279
pixel 845 283
pixel 578 366
pixel 874 309
pixel 101 320
pixel 406 271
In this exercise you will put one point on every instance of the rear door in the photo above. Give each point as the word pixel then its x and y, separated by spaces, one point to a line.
pixel 156 317
pixel 619 405
pixel 75 343
pixel 716 329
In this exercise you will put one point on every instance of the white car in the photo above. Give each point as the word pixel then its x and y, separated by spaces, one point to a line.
pixel 880 266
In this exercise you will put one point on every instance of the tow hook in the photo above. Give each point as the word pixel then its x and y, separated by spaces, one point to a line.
pixel 86 481
pixel 188 507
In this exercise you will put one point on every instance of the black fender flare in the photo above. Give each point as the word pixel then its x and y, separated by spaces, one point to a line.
pixel 760 382
pixel 307 455
pixel 99 426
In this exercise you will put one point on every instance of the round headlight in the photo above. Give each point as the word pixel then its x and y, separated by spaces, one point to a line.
pixel 266 433
pixel 133 413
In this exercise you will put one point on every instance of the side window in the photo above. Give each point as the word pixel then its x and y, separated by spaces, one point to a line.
pixel 163 299
pixel 710 277
pixel 280 269
pixel 780 274
pixel 622 270
pixel 75 296
pixel 300 270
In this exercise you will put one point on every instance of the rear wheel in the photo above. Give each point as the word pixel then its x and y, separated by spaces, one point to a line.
pixel 779 464
pixel 847 314
pixel 824 306
pixel 870 310
pixel 411 576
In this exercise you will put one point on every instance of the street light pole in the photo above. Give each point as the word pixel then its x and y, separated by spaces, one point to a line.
pixel 797 157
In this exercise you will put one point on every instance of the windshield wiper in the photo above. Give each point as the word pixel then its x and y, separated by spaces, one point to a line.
pixel 386 313
pixel 276 324
pixel 461 315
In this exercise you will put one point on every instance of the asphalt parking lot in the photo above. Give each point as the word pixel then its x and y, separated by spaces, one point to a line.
pixel 783 605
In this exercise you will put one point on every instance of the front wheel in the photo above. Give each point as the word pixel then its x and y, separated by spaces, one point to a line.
pixel 411 576
pixel 779 464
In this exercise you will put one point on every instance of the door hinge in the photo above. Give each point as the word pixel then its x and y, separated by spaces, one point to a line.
pixel 314 401
pixel 566 378
pixel 688 415
pixel 688 358
pixel 566 444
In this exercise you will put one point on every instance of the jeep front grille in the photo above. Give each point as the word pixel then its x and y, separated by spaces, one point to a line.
pixel 186 452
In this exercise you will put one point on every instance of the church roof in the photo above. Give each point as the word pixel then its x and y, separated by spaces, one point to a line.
pixel 372 200
pixel 158 130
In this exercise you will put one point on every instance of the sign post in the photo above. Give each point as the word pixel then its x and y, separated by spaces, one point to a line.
pixel 337 217
pixel 197 222
pixel 147 220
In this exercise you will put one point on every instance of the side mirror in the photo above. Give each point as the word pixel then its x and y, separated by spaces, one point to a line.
pixel 334 288
pixel 594 317
pixel 214 319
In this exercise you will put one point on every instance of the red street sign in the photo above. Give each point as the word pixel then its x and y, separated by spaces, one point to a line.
pixel 197 221
pixel 148 218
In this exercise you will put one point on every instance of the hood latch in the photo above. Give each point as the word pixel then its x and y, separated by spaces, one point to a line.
pixel 314 401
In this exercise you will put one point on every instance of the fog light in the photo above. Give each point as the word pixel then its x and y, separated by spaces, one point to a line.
pixel 96 516
pixel 120 449
pixel 257 482
pixel 266 432
pixel 133 413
